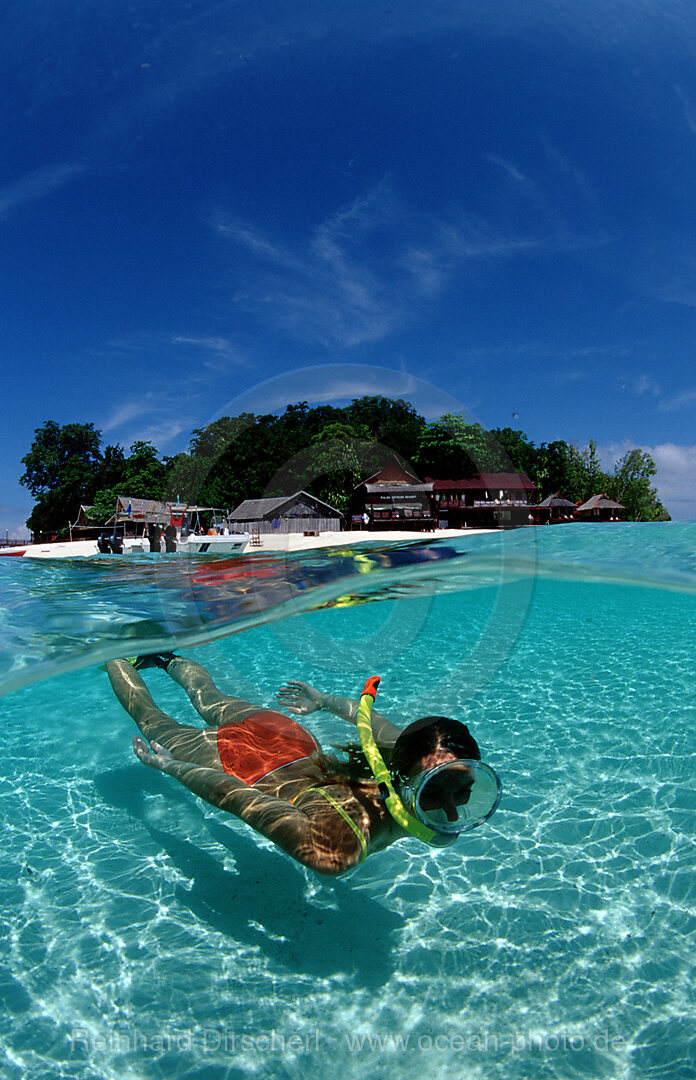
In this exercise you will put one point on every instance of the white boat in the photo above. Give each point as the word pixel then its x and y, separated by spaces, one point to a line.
pixel 182 535
pixel 193 544
pixel 69 549
pixel 224 543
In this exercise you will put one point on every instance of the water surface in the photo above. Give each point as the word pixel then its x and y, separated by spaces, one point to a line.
pixel 147 934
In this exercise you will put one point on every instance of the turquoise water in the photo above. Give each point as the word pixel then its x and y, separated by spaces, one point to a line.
pixel 145 934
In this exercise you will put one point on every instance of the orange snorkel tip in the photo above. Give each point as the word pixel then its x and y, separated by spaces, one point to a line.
pixel 371 686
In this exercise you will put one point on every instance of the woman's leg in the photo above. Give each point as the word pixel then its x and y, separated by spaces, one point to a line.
pixel 185 743
pixel 210 703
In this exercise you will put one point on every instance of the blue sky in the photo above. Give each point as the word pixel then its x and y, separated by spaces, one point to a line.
pixel 488 206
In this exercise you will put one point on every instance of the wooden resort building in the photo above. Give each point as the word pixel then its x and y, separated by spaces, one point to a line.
pixel 131 517
pixel 394 498
pixel 150 518
pixel 553 511
pixel 298 513
pixel 137 514
pixel 84 525
pixel 484 501
pixel 600 508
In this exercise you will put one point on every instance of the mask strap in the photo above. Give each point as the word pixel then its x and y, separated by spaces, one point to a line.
pixel 379 769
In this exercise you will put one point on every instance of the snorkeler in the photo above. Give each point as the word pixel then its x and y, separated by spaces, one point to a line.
pixel 265 768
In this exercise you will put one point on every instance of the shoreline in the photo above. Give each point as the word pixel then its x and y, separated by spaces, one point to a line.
pixel 300 542
pixel 270 542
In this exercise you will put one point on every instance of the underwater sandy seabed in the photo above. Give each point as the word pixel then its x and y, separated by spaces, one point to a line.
pixel 145 934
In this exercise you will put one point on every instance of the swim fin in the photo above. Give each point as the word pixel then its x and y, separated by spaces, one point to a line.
pixel 148 660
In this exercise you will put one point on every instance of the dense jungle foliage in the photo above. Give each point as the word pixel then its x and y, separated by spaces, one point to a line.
pixel 324 449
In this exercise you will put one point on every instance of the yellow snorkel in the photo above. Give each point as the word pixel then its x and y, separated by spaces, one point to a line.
pixel 379 769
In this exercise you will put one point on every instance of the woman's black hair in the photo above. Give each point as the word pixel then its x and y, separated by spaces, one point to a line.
pixel 427 735
pixel 415 742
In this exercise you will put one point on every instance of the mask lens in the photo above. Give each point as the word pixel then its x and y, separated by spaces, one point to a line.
pixel 457 796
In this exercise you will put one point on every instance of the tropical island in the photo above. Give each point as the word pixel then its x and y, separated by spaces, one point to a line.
pixel 324 450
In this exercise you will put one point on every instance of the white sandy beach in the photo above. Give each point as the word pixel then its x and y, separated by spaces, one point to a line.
pixel 299 542
pixel 269 542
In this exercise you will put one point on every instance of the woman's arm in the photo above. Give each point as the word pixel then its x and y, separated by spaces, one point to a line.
pixel 288 827
pixel 301 698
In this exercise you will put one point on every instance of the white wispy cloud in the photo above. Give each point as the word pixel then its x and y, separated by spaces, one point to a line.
pixel 327 292
pixel 221 353
pixel 563 365
pixel 156 417
pixel 686 399
pixel 36 185
pixel 645 384
pixel 567 171
pixel 153 415
pixel 363 271
pixel 162 432
pixel 125 412
pixel 161 417
pixel 571 375
pixel 192 369
pixel 210 355
pixel 512 171
pixel 551 193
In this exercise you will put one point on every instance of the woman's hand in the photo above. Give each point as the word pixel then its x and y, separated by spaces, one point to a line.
pixel 157 758
pixel 300 697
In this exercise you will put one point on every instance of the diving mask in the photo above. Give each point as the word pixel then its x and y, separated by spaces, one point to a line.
pixel 438 803
pixel 453 797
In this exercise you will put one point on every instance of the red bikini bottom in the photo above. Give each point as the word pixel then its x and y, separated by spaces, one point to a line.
pixel 261 743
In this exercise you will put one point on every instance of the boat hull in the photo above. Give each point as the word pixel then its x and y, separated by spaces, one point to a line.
pixel 193 544
pixel 230 544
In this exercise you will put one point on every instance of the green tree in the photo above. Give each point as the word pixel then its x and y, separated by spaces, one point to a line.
pixel 104 504
pixel 188 473
pixel 564 468
pixel 441 454
pixel 521 453
pixel 553 470
pixel 249 456
pixel 392 422
pixel 112 467
pixel 61 470
pixel 594 479
pixel 324 449
pixel 56 453
pixel 453 448
pixel 264 455
pixel 341 455
pixel 109 484
pixel 140 475
pixel 242 469
pixel 144 475
pixel 630 485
